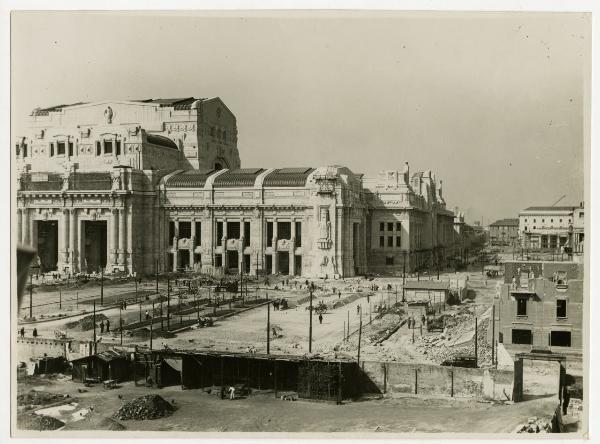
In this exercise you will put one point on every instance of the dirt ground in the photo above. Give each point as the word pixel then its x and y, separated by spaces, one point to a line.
pixel 262 412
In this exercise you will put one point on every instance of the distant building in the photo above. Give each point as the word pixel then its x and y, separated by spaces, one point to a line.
pixel 504 232
pixel 551 228
pixel 543 306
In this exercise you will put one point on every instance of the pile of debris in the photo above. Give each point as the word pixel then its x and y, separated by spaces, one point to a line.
pixel 451 343
pixel 85 323
pixel 38 422
pixel 536 425
pixel 144 407
pixel 34 397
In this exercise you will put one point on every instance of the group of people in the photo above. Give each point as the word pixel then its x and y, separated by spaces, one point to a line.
pixel 22 332
pixel 412 321
pixel 105 325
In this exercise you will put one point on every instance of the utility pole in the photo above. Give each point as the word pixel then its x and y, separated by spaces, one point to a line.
pixel 101 286
pixel 310 310
pixel 168 304
pixel 140 312
pixel 151 323
pixel 493 330
pixel 60 298
pixel 359 336
pixel 157 275
pixel 136 289
pixel 268 325
pixel 476 361
pixel 348 325
pixel 30 296
pixel 94 321
pixel 121 324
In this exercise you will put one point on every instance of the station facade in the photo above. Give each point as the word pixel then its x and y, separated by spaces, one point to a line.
pixel 141 186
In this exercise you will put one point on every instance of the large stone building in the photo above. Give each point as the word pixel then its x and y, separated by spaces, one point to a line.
pixel 550 228
pixel 130 186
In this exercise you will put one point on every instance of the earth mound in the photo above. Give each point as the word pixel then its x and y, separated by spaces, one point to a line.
pixel 144 407
pixel 38 422
pixel 85 323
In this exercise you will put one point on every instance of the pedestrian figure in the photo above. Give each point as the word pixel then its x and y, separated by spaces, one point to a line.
pixel 358 309
pixel 22 332
pixel 35 333
pixel 339 295
pixel 222 392
pixel 107 326
pixel 147 315
pixel 124 305
pixel 231 393
pixel 368 298
pixel 422 319
pixel 320 318
pixel 101 326
pixel 566 399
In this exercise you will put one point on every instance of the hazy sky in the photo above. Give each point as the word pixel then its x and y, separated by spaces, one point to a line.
pixel 492 103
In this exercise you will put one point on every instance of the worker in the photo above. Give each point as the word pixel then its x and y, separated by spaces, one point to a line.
pixel 107 326
pixel 22 332
pixel 101 326
pixel 320 318
pixel 35 333
pixel 147 315
pixel 231 393
pixel 358 309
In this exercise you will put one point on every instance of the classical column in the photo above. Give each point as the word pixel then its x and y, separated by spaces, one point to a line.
pixel 25 226
pixel 19 226
pixel 224 245
pixel 72 241
pixel 292 261
pixel 129 255
pixel 63 245
pixel 121 250
pixel 275 259
pixel 192 242
pixel 114 236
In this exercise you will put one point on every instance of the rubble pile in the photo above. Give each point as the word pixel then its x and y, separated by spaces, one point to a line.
pixel 85 323
pixel 38 422
pixel 144 407
pixel 443 346
pixel 536 425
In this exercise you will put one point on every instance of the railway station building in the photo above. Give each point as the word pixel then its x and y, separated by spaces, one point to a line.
pixel 157 184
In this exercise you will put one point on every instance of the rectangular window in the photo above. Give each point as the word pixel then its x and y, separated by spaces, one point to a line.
pixel 51 149
pixel 390 226
pixel 185 230
pixel 171 232
pixel 561 308
pixel 382 241
pixel 390 242
pixel 560 338
pixel 381 226
pixel 108 147
pixel 284 230
pixel 219 234
pixel 298 234
pixel 70 149
pixel 218 260
pixel 389 260
pixel 118 147
pixel 198 233
pixel 398 241
pixel 98 148
pixel 398 226
pixel 269 232
pixel 60 148
pixel 521 307
pixel 522 336
pixel 233 230
pixel 246 233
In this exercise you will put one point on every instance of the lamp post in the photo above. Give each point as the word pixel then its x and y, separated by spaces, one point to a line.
pixel 101 286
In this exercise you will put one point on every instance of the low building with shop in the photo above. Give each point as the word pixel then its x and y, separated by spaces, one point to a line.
pixel 107 365
pixel 428 291
pixel 504 232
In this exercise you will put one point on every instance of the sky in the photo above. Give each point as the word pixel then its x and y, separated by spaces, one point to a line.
pixel 492 103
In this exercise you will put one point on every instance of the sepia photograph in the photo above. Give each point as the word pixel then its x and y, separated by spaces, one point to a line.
pixel 304 223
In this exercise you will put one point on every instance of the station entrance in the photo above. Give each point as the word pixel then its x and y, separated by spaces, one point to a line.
pixel 47 244
pixel 94 233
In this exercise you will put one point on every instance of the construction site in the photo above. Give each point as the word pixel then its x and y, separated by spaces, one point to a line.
pixel 188 343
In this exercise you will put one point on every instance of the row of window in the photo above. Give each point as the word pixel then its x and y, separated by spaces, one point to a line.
pixel 284 231
pixel 561 308
pixel 551 220
pixel 219 134
pixel 390 241
pixel 390 226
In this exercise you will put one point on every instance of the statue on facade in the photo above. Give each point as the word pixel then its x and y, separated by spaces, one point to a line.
pixel 116 181
pixel 108 114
